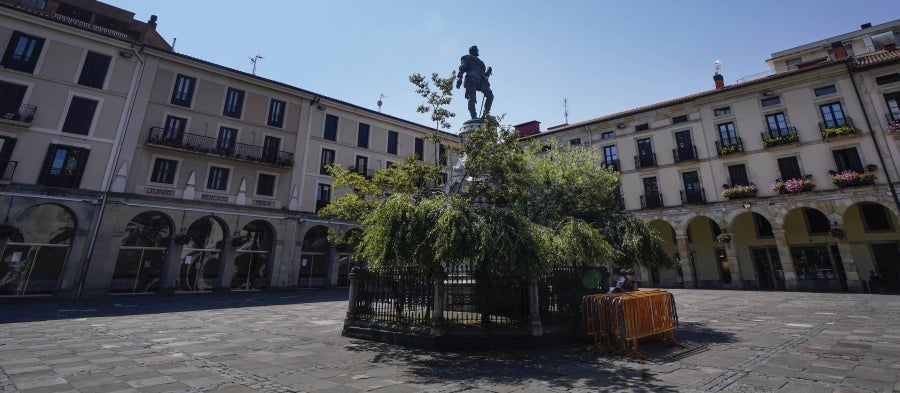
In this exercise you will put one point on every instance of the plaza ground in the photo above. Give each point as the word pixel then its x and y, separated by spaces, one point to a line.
pixel 735 341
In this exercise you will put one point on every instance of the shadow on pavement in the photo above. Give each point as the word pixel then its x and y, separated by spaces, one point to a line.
pixel 120 305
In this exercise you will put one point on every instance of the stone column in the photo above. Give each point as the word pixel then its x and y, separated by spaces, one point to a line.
pixel 172 266
pixel 534 308
pixel 787 262
pixel 351 316
pixel 686 269
pixel 854 283
pixel 440 294
pixel 226 266
pixel 737 279
pixel 333 261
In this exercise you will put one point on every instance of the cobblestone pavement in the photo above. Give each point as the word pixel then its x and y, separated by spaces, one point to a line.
pixel 290 342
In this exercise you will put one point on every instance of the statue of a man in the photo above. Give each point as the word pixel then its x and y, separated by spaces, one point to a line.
pixel 476 79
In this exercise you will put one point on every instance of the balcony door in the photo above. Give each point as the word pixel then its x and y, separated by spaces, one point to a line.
pixel 893 103
pixel 271 146
pixel 692 191
pixel 645 152
pixel 651 192
pixel 833 115
pixel 685 145
pixel 777 125
pixel 11 96
pixel 226 142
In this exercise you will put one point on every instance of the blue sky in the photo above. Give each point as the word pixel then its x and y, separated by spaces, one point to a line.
pixel 602 56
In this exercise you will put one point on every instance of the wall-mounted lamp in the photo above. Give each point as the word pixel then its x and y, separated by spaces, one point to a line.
pixel 767 92
pixel 321 107
pixel 746 205
pixel 620 126
pixel 125 54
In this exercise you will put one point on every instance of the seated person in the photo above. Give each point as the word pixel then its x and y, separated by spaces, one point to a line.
pixel 626 282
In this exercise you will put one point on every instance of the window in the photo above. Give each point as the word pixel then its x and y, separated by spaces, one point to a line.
pixel 164 171
pixel 763 226
pixel 875 217
pixel 22 52
pixel 693 193
pixel 771 101
pixel 833 115
pixel 323 196
pixel 174 128
pixel 420 149
pixel 362 136
pixel 93 72
pixel 63 166
pixel 218 178
pixel 893 104
pixel 679 119
pixel 265 184
pixel 817 223
pixel 392 142
pixel 642 127
pixel 276 113
pixel 789 168
pixel 847 160
pixel 727 134
pixel 183 93
pixel 442 154
pixel 723 111
pixel 80 116
pixel 890 78
pixel 825 90
pixel 39 4
pixel 226 141
pixel 271 147
pixel 327 159
pixel 234 103
pixel 11 96
pixel 777 125
pixel 684 146
pixel 645 153
pixel 362 165
pixel 738 175
pixel 331 126
pixel 575 142
pixel 651 198
pixel 611 156
pixel 608 135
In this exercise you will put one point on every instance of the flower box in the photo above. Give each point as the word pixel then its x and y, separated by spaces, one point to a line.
pixel 780 140
pixel 792 186
pixel 894 127
pixel 850 178
pixel 729 149
pixel 738 192
pixel 835 132
pixel 723 238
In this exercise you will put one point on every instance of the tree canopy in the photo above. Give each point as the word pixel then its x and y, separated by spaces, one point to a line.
pixel 523 209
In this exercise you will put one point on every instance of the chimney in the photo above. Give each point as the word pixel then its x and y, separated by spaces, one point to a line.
pixel 720 80
pixel 152 22
pixel 838 49
pixel 530 128
pixel 865 26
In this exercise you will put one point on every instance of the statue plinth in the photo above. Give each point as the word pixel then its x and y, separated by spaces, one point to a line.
pixel 467 127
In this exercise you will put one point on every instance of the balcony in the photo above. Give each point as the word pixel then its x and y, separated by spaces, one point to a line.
pixel 837 128
pixel 645 161
pixel 779 137
pixel 687 153
pixel 21 117
pixel 613 164
pixel 7 170
pixel 693 197
pixel 204 145
pixel 728 146
pixel 362 171
pixel 652 200
pixel 893 123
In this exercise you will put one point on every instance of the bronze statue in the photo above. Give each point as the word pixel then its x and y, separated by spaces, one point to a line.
pixel 476 79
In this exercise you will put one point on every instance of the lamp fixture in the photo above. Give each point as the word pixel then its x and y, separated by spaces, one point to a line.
pixel 746 205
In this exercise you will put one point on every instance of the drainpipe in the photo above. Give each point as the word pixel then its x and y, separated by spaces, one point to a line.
pixel 887 175
pixel 110 167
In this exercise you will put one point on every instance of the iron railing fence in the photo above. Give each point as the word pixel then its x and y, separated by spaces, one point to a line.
pixel 560 292
pixel 476 298
pixel 397 296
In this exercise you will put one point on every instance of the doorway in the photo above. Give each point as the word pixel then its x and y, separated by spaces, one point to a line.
pixel 887 260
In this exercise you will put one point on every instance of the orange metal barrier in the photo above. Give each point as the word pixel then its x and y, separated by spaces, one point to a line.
pixel 617 321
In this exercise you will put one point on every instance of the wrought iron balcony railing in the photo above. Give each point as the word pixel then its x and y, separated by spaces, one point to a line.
pixel 614 165
pixel 645 161
pixel 728 146
pixel 652 201
pixel 837 128
pixel 685 154
pixel 778 137
pixel 23 116
pixel 7 170
pixel 362 171
pixel 205 145
pixel 693 197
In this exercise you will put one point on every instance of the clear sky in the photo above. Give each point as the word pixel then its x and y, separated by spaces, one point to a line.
pixel 602 56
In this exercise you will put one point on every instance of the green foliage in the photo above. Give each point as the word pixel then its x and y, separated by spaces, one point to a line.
pixel 494 162
pixel 780 140
pixel 437 94
pixel 728 149
pixel 835 132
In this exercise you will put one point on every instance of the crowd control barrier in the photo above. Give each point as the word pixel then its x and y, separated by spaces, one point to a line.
pixel 618 321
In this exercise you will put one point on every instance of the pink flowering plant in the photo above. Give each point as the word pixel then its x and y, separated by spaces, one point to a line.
pixel 792 186
pixel 893 127
pixel 740 191
pixel 851 178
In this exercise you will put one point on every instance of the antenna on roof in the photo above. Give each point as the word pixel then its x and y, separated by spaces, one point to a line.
pixel 566 109
pixel 380 96
pixel 253 60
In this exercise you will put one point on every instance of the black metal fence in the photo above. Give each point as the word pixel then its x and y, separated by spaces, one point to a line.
pixel 473 297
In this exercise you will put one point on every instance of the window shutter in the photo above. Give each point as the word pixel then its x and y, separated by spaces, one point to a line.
pixel 48 159
pixel 79 170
